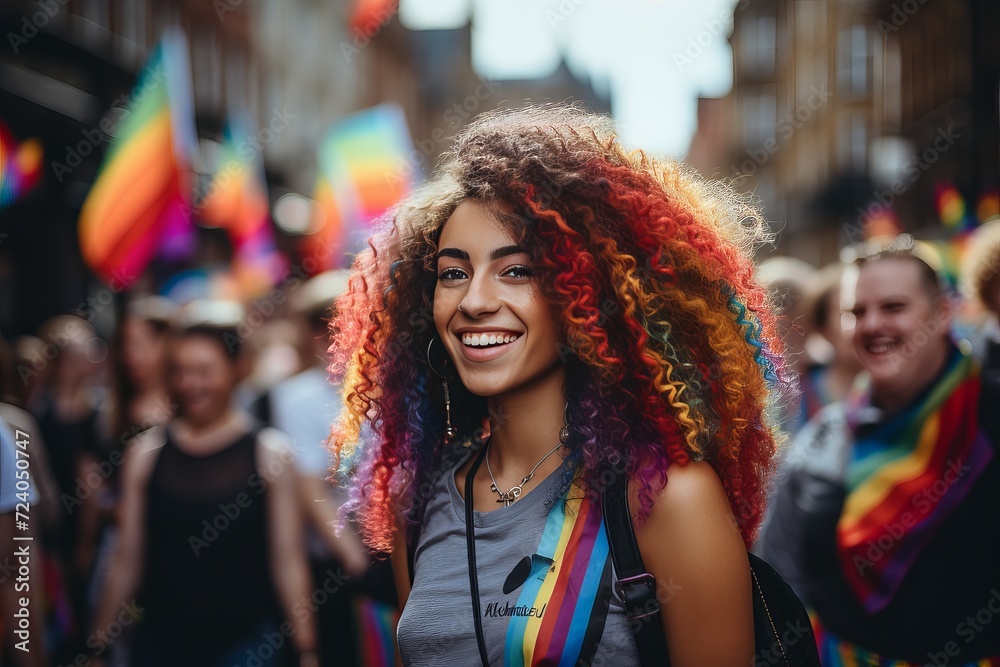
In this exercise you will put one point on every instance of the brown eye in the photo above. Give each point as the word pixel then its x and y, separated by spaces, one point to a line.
pixel 519 271
pixel 451 274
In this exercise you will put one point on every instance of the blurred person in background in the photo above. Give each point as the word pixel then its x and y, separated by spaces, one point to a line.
pixel 787 279
pixel 48 516
pixel 139 357
pixel 888 521
pixel 32 366
pixel 50 509
pixel 273 353
pixel 981 284
pixel 22 627
pixel 210 545
pixel 68 413
pixel 830 376
pixel 304 406
pixel 139 401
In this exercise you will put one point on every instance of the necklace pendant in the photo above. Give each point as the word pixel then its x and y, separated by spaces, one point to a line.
pixel 508 498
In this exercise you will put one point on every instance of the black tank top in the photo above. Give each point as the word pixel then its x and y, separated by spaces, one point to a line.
pixel 207 581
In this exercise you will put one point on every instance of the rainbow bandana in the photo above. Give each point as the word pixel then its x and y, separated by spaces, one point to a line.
pixel 905 478
pixel 570 583
pixel 835 652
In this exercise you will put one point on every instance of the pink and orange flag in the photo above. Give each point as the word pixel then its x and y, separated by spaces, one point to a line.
pixel 236 200
pixel 141 196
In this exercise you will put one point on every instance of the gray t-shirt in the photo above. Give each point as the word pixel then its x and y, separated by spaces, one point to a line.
pixel 436 627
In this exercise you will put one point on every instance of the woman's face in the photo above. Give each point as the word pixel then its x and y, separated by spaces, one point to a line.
pixel 900 335
pixel 202 378
pixel 143 351
pixel 489 309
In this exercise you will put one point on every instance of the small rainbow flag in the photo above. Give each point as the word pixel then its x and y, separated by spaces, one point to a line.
pixel 989 205
pixel 885 222
pixel 951 208
pixel 236 200
pixel 375 632
pixel 362 172
pixel 370 16
pixel 141 197
pixel 20 166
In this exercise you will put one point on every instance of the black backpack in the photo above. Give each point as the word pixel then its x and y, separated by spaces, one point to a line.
pixel 783 634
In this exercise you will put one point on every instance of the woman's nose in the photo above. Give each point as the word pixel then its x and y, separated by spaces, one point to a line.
pixel 481 298
pixel 869 322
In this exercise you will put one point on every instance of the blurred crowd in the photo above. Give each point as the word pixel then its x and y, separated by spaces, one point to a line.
pixel 179 496
pixel 180 504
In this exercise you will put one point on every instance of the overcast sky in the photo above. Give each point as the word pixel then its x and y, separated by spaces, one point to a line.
pixel 655 56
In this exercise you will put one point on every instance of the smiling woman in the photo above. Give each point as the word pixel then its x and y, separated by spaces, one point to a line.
pixel 562 311
pixel 490 314
pixel 879 518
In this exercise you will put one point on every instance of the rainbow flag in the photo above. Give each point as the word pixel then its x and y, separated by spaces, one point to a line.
pixel 236 200
pixel 20 166
pixel 989 205
pixel 951 208
pixel 141 198
pixel 368 17
pixel 375 631
pixel 363 170
pixel 836 652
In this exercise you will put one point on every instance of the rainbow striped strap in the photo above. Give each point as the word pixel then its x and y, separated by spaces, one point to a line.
pixel 569 585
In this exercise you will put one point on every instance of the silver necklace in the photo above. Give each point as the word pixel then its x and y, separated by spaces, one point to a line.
pixel 514 493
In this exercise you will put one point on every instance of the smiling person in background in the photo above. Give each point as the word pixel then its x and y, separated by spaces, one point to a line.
pixel 210 543
pixel 888 522
pixel 569 311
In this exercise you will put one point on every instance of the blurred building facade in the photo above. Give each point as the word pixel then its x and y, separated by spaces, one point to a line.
pixel 842 107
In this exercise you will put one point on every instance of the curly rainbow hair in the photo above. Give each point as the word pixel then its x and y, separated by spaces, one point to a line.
pixel 671 349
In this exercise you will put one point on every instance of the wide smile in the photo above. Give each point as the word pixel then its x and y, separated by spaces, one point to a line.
pixel 881 347
pixel 486 345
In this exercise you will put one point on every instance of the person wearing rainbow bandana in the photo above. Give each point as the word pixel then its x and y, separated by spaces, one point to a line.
pixel 887 519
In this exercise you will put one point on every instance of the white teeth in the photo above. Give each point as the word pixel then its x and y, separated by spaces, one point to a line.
pixel 881 348
pixel 482 340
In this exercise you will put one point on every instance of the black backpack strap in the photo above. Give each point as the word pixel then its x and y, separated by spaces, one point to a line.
pixel 635 586
pixel 412 534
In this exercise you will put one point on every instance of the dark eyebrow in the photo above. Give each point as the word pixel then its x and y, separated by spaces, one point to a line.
pixel 451 252
pixel 494 254
pixel 506 250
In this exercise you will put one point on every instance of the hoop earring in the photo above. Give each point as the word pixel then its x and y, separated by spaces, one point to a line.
pixel 430 364
pixel 450 432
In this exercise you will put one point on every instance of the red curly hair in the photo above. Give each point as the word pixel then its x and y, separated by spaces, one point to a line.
pixel 671 348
